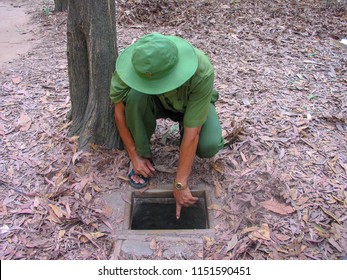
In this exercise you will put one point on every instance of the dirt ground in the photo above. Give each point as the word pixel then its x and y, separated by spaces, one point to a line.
pixel 281 178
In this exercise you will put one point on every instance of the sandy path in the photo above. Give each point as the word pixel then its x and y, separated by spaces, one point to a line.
pixel 16 37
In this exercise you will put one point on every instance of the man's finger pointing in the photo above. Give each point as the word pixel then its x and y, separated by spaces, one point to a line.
pixel 178 211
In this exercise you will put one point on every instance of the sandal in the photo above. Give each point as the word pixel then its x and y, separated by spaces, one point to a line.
pixel 134 184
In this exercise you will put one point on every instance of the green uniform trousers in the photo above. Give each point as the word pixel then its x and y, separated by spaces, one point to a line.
pixel 142 111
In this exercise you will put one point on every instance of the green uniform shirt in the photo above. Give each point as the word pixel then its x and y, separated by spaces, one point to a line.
pixel 192 99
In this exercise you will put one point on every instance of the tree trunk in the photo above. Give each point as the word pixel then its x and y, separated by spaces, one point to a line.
pixel 92 52
pixel 60 5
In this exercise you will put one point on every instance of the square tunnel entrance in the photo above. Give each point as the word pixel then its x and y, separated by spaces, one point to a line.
pixel 157 211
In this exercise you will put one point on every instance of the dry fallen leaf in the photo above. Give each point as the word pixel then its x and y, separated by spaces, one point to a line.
pixel 54 218
pixel 82 184
pixel 88 197
pixel 61 233
pixel 218 166
pixel 302 200
pixel 107 211
pixel 86 236
pixel 123 178
pixel 293 193
pixel 261 233
pixel 96 188
pixel 3 210
pixel 244 159
pixel 153 244
pixel 4 229
pixel 330 214
pixel 16 80
pixel 282 237
pixel 336 245
pixel 209 241
pixel 163 168
pixel 320 230
pixel 305 216
pixel 249 229
pixel 57 211
pixel 76 156
pixel 36 201
pixel 68 210
pixel 217 188
pixel 277 207
pixel 24 122
pixel 214 207
pixel 232 243
pixel 97 234
pixel 83 239
pixel 2 130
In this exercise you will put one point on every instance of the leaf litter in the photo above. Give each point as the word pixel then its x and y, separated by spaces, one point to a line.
pixel 281 180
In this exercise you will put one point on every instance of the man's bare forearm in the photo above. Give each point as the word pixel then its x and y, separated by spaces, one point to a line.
pixel 128 141
pixel 187 154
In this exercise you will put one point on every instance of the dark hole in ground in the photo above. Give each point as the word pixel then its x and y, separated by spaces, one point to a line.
pixel 155 213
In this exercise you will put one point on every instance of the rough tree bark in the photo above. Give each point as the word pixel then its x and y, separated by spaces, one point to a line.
pixel 60 5
pixel 92 52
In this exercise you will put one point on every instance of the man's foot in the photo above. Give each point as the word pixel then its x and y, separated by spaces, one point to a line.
pixel 137 181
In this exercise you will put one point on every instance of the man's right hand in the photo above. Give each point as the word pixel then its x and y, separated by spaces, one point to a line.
pixel 142 166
